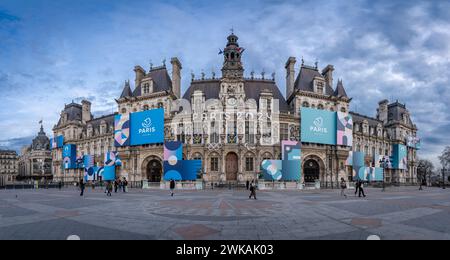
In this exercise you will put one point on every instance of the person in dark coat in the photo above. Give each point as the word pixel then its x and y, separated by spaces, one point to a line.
pixel 361 190
pixel 247 184
pixel 124 184
pixel 172 187
pixel 357 184
pixel 82 186
pixel 116 185
pixel 109 188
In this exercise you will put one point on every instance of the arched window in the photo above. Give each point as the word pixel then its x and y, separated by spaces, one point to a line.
pixel 320 106
pixel 124 110
pixel 305 104
pixel 145 107
pixel 343 110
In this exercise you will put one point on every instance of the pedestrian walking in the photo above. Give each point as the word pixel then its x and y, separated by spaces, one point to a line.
pixel 59 185
pixel 82 186
pixel 172 186
pixel 252 190
pixel 247 184
pixel 116 184
pixel 124 184
pixel 343 187
pixel 361 189
pixel 356 187
pixel 109 188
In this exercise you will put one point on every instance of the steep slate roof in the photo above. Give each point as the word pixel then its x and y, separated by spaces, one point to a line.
pixel 358 118
pixel 109 119
pixel 161 81
pixel 397 110
pixel 210 88
pixel 73 111
pixel 126 91
pixel 340 91
pixel 304 81
pixel 252 87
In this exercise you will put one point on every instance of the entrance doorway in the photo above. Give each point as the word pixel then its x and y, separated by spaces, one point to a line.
pixel 312 171
pixel 154 171
pixel 231 166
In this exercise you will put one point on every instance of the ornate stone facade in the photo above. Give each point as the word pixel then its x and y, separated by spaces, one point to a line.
pixel 8 167
pixel 35 161
pixel 215 119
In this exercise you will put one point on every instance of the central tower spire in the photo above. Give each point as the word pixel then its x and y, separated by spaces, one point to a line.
pixel 232 65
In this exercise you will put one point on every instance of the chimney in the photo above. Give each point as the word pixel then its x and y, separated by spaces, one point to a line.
pixel 86 111
pixel 290 76
pixel 140 74
pixel 176 77
pixel 327 72
pixel 382 111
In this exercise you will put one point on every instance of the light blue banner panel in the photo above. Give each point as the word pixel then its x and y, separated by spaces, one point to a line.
pixel 399 157
pixel 318 126
pixel 183 170
pixel 291 150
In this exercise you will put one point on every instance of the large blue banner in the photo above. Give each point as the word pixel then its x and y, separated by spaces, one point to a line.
pixel 147 127
pixel 57 142
pixel 182 170
pixel 109 173
pixel 318 126
pixel 70 156
pixel 281 170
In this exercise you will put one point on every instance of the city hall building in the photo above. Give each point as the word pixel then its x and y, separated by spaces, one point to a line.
pixel 233 122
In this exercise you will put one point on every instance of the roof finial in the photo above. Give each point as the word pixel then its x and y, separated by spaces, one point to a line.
pixel 252 74
pixel 164 62
pixel 213 73
pixel 303 61
pixel 203 75
pixel 273 76
pixel 316 63
pixel 232 30
pixel 151 65
pixel 262 74
pixel 192 75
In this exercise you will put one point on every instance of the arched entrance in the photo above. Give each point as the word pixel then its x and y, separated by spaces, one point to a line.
pixel 311 171
pixel 154 171
pixel 231 166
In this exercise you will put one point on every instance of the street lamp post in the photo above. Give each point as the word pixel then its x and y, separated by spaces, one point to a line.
pixel 443 178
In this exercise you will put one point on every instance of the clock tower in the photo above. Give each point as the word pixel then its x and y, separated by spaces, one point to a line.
pixel 232 92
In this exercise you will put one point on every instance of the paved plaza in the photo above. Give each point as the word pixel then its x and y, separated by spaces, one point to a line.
pixel 398 213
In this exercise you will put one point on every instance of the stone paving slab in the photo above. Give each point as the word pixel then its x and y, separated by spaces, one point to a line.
pixel 400 213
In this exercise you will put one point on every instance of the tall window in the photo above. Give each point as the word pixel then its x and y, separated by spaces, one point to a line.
pixel 249 164
pixel 214 164
pixel 180 135
pixel 284 132
pixel 197 133
pixel 250 132
pixel 146 88
pixel 214 134
pixel 231 130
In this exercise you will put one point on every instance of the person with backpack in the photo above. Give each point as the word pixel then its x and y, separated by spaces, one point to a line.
pixel 361 189
pixel 172 186
pixel 343 187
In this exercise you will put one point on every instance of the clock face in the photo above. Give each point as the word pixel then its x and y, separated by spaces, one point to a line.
pixel 232 101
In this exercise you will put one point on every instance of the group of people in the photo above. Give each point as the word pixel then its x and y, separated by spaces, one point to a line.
pixel 118 184
pixel 359 187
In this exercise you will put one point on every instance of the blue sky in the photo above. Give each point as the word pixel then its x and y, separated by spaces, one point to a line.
pixel 53 52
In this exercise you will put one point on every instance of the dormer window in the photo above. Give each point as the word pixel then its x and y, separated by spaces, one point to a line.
pixel 146 88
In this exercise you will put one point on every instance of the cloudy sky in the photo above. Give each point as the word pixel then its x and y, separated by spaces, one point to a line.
pixel 53 52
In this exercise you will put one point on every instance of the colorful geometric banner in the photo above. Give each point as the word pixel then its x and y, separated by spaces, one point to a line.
pixel 147 127
pixel 182 170
pixel 175 167
pixel 109 173
pixel 173 151
pixel 344 129
pixel 121 130
pixel 291 150
pixel 70 156
pixel 349 161
pixel 112 159
pixel 413 142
